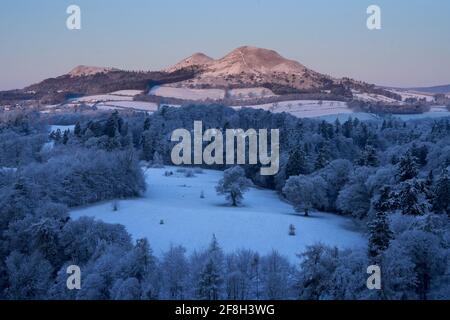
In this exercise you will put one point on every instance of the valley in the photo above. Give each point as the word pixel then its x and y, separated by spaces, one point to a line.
pixel 261 223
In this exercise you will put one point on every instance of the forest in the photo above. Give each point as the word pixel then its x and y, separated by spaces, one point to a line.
pixel 390 176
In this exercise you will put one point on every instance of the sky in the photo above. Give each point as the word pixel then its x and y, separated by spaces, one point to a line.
pixel 411 49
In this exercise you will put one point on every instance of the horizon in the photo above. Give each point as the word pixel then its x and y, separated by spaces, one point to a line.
pixel 329 38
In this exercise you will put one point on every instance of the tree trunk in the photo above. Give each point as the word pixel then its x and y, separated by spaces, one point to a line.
pixel 233 199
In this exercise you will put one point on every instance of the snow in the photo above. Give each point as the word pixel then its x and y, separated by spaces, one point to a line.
pixel 127 93
pixel 363 116
pixel 187 94
pixel 249 93
pixel 370 97
pixel 305 108
pixel 135 105
pixel 411 94
pixel 88 70
pixel 62 128
pixel 261 224
pixel 103 98
pixel 213 94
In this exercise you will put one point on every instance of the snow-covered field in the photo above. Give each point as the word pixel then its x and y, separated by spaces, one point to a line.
pixel 435 112
pixel 128 93
pixel 261 224
pixel 103 98
pixel 374 98
pixel 187 94
pixel 118 100
pixel 213 94
pixel 411 94
pixel 134 105
pixel 306 108
pixel 249 93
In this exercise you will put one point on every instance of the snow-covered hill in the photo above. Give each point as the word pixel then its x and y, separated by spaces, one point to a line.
pixel 262 224
pixel 249 66
pixel 81 70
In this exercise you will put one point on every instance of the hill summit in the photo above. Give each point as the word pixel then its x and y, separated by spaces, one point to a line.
pixel 250 66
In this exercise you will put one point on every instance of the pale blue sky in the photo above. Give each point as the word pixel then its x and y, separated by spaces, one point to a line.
pixel 329 36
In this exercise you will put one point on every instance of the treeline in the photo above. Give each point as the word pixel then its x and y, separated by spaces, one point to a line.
pixel 233 102
pixel 388 108
pixel 37 237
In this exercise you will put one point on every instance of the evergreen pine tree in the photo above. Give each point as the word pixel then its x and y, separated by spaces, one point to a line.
pixel 384 202
pixel 297 164
pixel 369 157
pixel 57 135
pixel 407 167
pixel 148 149
pixel 147 124
pixel 411 198
pixel 210 285
pixel 210 282
pixel 420 154
pixel 379 234
pixel 77 130
pixel 441 199
pixel 66 137
pixel 111 127
pixel 322 159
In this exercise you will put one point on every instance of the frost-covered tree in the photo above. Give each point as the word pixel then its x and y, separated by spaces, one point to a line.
pixel 354 198
pixel 113 125
pixel 147 123
pixel 148 149
pixel 369 157
pixel 384 202
pixel 336 175
pixel 412 199
pixel 128 289
pixel 407 168
pixel 233 185
pixel 305 192
pixel 277 277
pixel 379 234
pixel 77 130
pixel 175 274
pixel 420 154
pixel 29 276
pixel 210 285
pixel 322 158
pixel 242 272
pixel 428 256
pixel 297 164
pixel 139 263
pixel 158 161
pixel 348 281
pixel 398 277
pixel 317 267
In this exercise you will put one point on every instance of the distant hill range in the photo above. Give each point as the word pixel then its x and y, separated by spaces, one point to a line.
pixel 244 67
pixel 444 89
pixel 85 80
